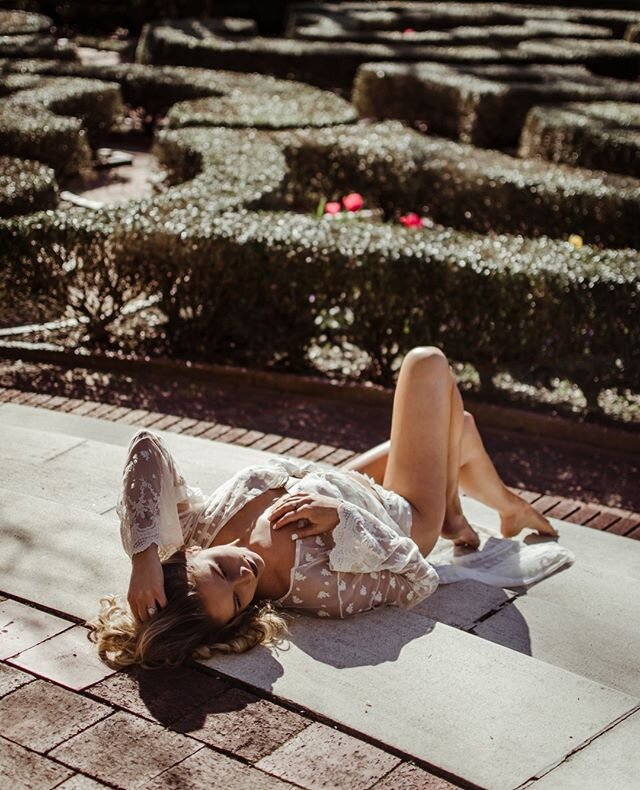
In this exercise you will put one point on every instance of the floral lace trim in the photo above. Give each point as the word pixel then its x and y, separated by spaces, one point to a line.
pixel 355 549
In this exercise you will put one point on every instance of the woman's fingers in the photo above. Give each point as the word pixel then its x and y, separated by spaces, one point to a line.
pixel 286 504
pixel 294 513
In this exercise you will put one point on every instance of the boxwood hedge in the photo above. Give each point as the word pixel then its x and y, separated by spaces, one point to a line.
pixel 14 22
pixel 25 186
pixel 498 300
pixel 507 31
pixel 208 243
pixel 35 45
pixel 228 98
pixel 328 64
pixel 602 135
pixel 57 120
pixel 461 186
pixel 483 105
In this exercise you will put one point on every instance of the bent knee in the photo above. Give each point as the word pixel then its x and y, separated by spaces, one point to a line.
pixel 427 358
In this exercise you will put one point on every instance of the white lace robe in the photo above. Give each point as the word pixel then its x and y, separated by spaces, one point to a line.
pixel 373 562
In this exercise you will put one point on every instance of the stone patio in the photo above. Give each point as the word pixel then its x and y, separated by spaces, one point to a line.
pixel 475 687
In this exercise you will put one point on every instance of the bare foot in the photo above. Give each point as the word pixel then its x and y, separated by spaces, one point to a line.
pixel 458 529
pixel 524 516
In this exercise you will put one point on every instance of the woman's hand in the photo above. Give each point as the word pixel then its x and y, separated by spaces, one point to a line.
pixel 146 586
pixel 320 512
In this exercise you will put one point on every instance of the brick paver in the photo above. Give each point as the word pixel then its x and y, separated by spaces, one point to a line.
pixel 411 777
pixel 80 782
pixel 210 769
pixel 241 723
pixel 20 768
pixel 12 678
pixel 321 757
pixel 68 658
pixel 162 695
pixel 25 626
pixel 42 715
pixel 125 750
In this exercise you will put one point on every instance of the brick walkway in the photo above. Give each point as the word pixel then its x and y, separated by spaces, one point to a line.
pixel 619 521
pixel 68 721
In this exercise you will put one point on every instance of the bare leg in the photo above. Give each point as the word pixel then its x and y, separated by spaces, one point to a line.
pixel 480 480
pixel 476 475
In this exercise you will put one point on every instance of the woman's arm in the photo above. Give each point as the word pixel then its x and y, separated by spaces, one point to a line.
pixel 150 502
pixel 152 498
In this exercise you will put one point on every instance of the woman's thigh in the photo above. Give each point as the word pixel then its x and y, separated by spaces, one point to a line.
pixel 417 462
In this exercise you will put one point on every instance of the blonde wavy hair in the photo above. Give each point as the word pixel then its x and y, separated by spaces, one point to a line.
pixel 181 629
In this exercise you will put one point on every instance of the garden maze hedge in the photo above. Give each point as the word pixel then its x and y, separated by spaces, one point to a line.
pixel 233 238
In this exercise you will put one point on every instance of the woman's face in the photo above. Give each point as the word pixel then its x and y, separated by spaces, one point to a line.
pixel 226 578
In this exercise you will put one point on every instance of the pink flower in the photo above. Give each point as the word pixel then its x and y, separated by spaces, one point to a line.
pixel 353 201
pixel 412 220
pixel 408 31
pixel 332 208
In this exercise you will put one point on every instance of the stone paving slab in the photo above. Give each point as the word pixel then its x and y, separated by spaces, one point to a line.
pixel 610 761
pixel 604 651
pixel 58 556
pixel 404 680
pixel 604 582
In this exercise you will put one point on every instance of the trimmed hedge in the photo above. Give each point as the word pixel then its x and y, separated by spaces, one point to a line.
pixel 461 186
pixel 56 121
pixel 334 65
pixel 232 98
pixel 204 245
pixel 442 16
pixel 292 105
pixel 15 23
pixel 507 31
pixel 483 105
pixel 26 186
pixel 602 135
pixel 619 59
pixel 35 45
pixel 539 304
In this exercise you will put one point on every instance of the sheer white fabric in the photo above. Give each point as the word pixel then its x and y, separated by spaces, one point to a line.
pixel 370 560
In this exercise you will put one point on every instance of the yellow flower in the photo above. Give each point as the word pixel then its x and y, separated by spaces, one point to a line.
pixel 576 240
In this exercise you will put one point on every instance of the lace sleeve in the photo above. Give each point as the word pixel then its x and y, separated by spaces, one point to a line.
pixel 154 499
pixel 376 565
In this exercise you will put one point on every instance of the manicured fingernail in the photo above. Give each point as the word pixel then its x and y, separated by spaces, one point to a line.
pixel 294 536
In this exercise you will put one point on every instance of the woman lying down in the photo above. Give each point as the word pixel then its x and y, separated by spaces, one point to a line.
pixel 212 573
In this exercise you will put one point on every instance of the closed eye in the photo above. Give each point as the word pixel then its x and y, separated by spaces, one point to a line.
pixel 236 600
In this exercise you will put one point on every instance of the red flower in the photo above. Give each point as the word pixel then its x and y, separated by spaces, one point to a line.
pixel 412 220
pixel 408 31
pixel 332 208
pixel 353 201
